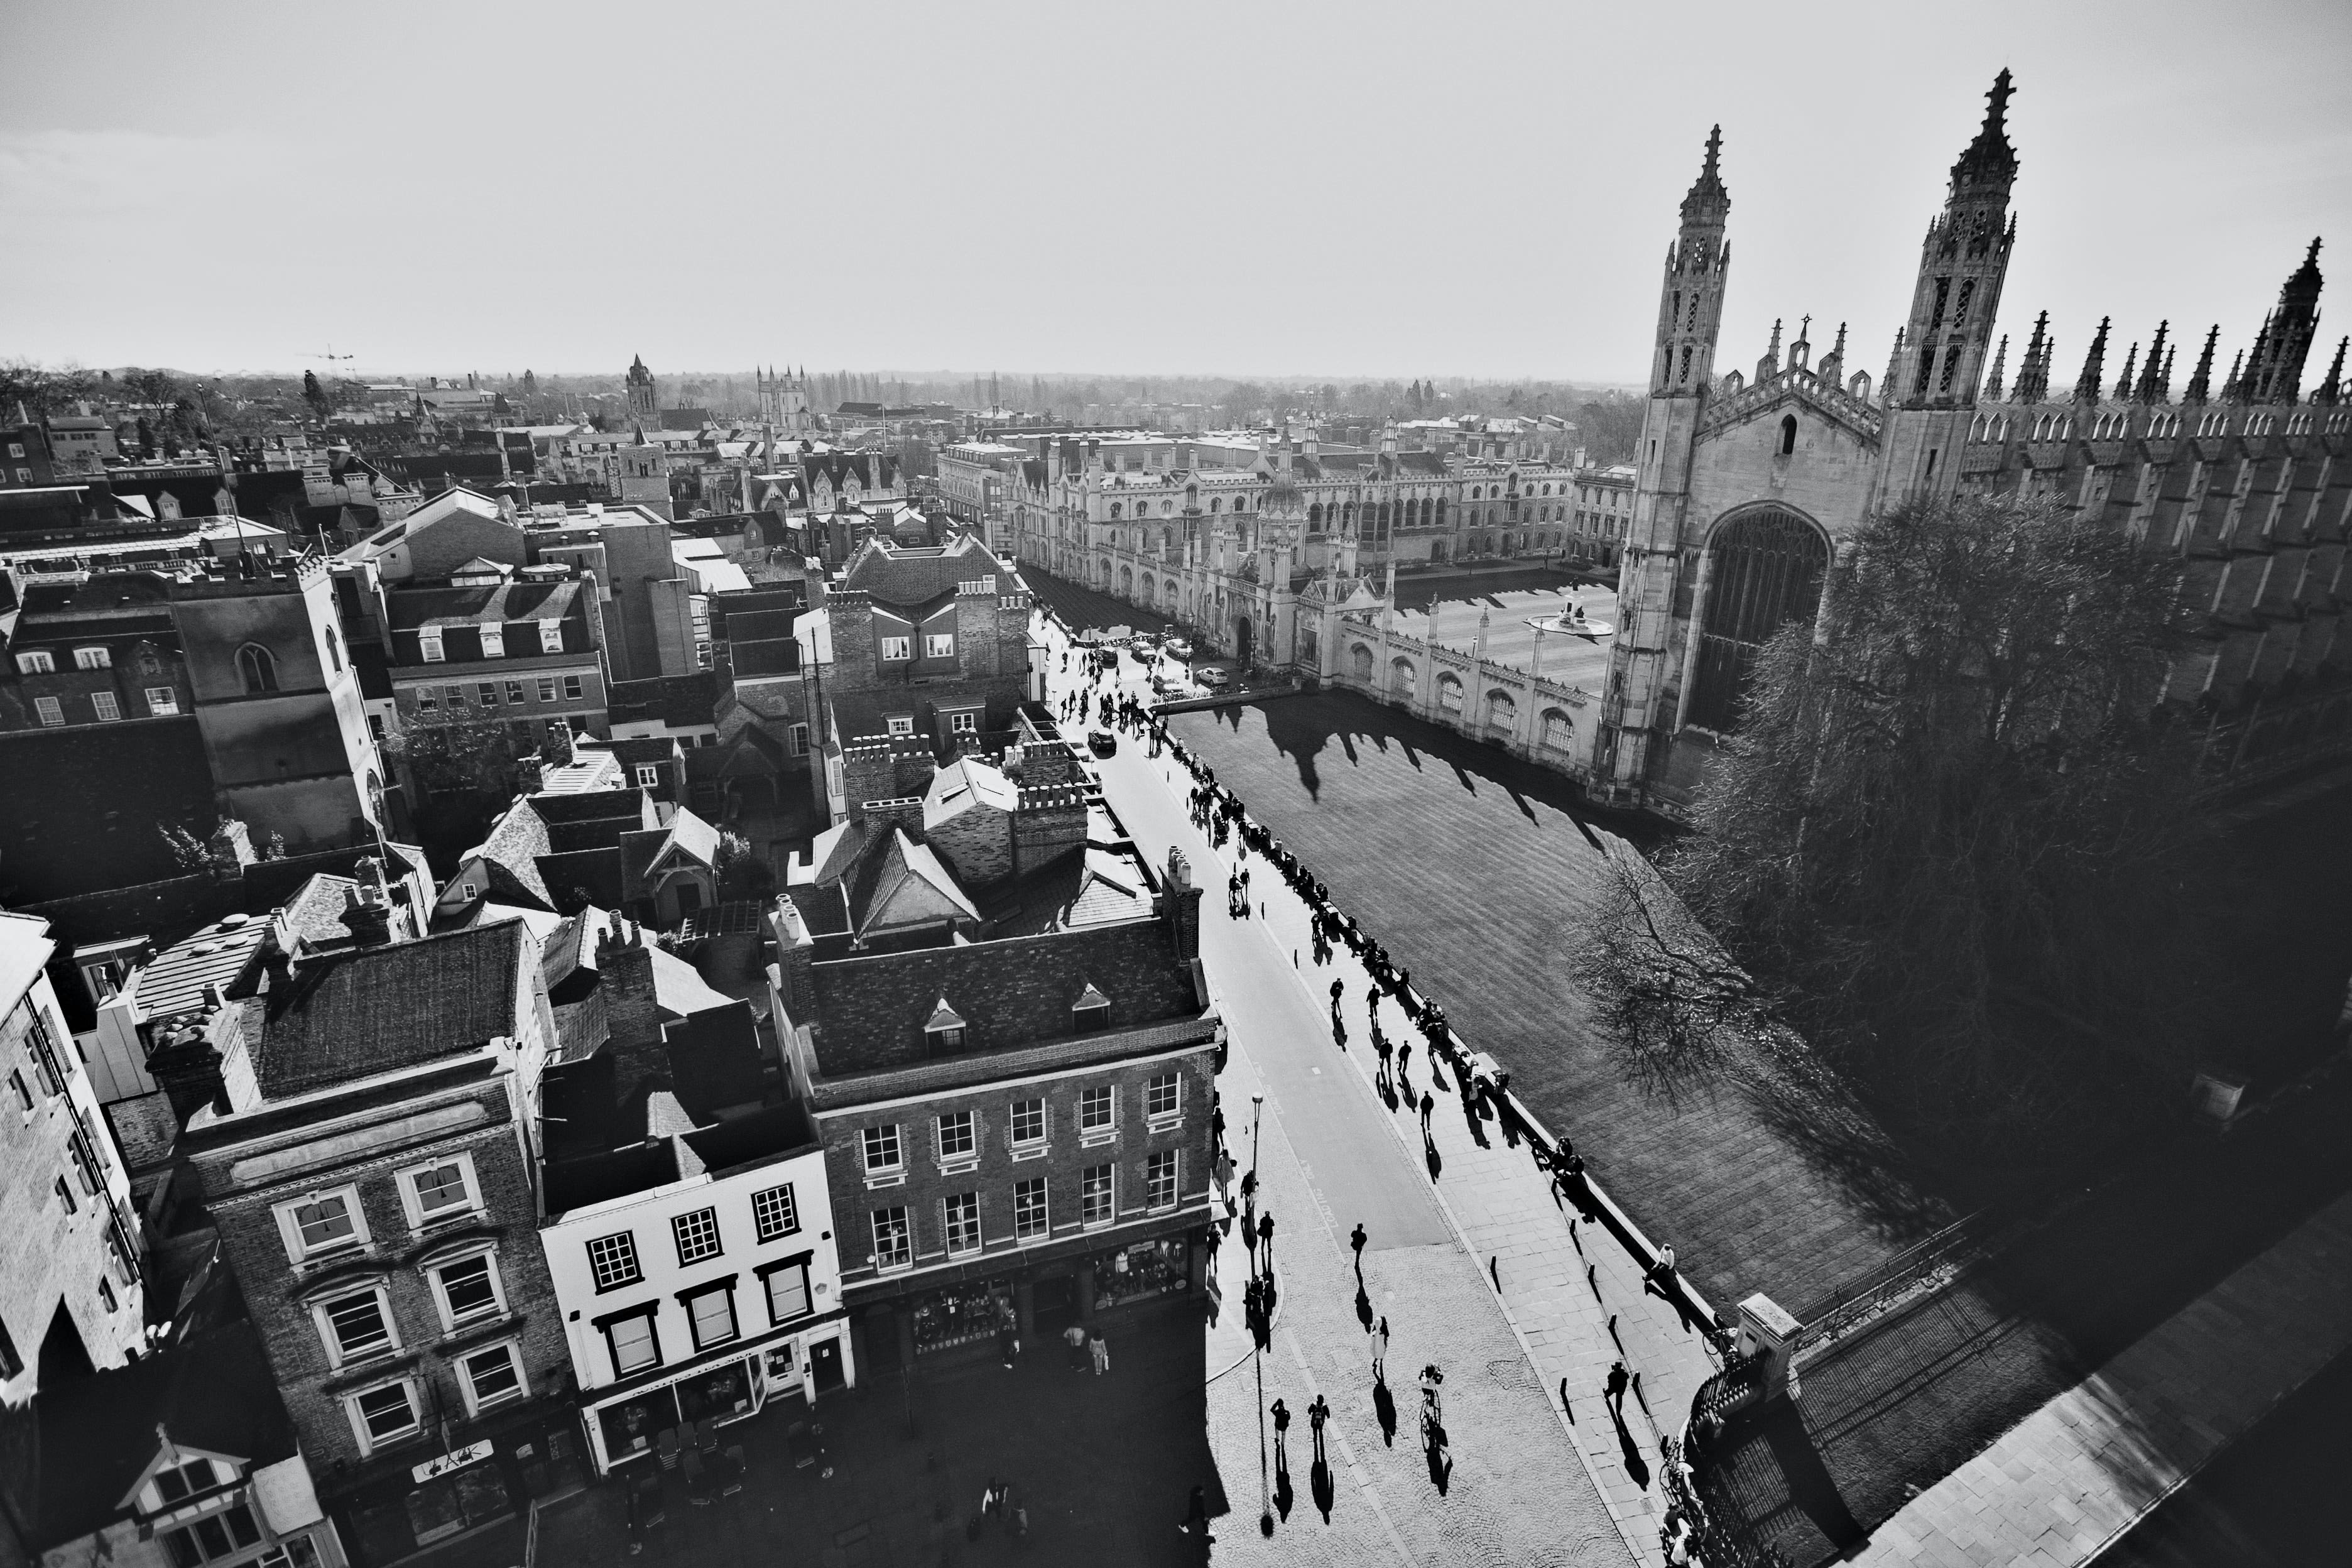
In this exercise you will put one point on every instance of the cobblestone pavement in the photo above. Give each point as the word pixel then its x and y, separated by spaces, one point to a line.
pixel 2064 1484
pixel 1499 1223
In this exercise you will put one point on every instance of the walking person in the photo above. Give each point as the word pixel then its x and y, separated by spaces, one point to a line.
pixel 1356 1238
pixel 1404 1057
pixel 1619 1380
pixel 1316 1414
pixel 1099 1349
pixel 1428 1104
pixel 1381 1352
pixel 1196 1513
pixel 1281 1414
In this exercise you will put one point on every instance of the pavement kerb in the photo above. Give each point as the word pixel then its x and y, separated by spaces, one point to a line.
pixel 1244 1359
pixel 1635 1540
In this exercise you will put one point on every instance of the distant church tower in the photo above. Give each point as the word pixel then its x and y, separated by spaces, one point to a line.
pixel 784 403
pixel 1948 335
pixel 644 406
pixel 1682 368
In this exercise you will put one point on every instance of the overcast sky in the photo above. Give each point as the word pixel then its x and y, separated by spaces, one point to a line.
pixel 1265 189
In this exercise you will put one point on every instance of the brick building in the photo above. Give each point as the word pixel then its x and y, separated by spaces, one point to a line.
pixel 929 645
pixel 71 1291
pixel 1013 1081
pixel 362 1127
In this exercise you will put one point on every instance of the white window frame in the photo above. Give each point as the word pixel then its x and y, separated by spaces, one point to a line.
pixel 939 645
pixel 36 661
pixel 799 745
pixel 289 1228
pixel 650 776
pixel 1175 1112
pixel 486 693
pixel 440 1266
pixel 905 1255
pixel 897 651
pixel 1089 1219
pixel 964 722
pixel 336 1354
pixel 413 1201
pixel 872 1140
pixel 779 1203
pixel 976 1240
pixel 162 702
pixel 107 706
pixel 547 689
pixel 900 723
pixel 1030 1148
pixel 551 637
pixel 1045 1220
pixel 572 690
pixel 49 711
pixel 1175 1158
pixel 368 1442
pixel 1105 1130
pixel 428 645
pixel 474 1404
pixel 969 1155
pixel 494 639
pixel 94 657
pixel 426 701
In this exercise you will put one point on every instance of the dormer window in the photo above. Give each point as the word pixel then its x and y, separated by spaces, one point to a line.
pixel 92 658
pixel 428 643
pixel 944 1033
pixel 1091 1011
pixel 551 637
pixel 494 642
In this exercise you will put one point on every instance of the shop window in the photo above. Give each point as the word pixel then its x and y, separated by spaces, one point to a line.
pixel 212 1538
pixel 1031 1217
pixel 614 1261
pixel 322 1223
pixel 356 1326
pixel 1028 1122
pixel 438 1190
pixel 491 1375
pixel 697 1234
pixel 469 1289
pixel 630 1338
pixel 893 1247
pixel 1163 1096
pixel 788 1292
pixel 1098 1198
pixel 381 1414
pixel 774 1213
pixel 961 1212
pixel 1159 1180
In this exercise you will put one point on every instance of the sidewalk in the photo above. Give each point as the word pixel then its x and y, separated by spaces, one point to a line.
pixel 2069 1481
pixel 1499 1223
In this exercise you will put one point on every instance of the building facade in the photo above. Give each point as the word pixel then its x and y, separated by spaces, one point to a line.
pixel 1749 488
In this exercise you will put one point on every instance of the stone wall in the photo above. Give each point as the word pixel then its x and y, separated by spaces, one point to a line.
pixel 1496 703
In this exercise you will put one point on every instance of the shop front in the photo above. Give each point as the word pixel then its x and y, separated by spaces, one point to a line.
pixel 418 1506
pixel 808 1361
pixel 966 1312
pixel 1136 1272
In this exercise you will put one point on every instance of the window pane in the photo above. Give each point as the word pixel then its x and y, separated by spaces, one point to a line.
pixel 241 1528
pixel 385 1412
pixel 614 1259
pixel 634 1346
pixel 211 1535
pixel 440 1188
pixel 1029 1215
pixel 1028 1121
pixel 185 1552
pixel 956 1135
pixel 775 1212
pixel 963 1222
pixel 492 1372
pixel 890 1241
pixel 1097 1193
pixel 1160 1095
pixel 468 1288
pixel 325 1223
pixel 359 1324
pixel 882 1147
pixel 788 1293
pixel 698 1235
pixel 1159 1179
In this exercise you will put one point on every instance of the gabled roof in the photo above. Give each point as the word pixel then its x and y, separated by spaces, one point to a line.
pixel 963 785
pixel 895 575
pixel 900 883
pixel 370 1010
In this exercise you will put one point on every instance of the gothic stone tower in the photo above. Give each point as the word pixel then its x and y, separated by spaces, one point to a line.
pixel 1690 310
pixel 643 410
pixel 2273 371
pixel 1946 339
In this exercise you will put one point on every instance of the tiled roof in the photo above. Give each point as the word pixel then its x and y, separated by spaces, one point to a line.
pixel 680 701
pixel 371 1010
pixel 870 1009
pixel 514 601
pixel 899 577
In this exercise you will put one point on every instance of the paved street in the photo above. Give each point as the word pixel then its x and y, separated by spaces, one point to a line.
pixel 1488 1206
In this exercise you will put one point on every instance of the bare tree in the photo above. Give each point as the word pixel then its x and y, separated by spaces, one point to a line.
pixel 1950 843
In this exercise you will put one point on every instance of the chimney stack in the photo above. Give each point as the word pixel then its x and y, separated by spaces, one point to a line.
pixel 232 849
pixel 625 970
pixel 367 915
pixel 1183 911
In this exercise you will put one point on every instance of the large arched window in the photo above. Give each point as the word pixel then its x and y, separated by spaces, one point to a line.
pixel 1315 515
pixel 1558 730
pixel 256 668
pixel 1766 569
pixel 1449 694
pixel 334 650
pixel 1361 664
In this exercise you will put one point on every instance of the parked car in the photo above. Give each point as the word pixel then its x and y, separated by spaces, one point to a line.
pixel 1176 647
pixel 1213 677
pixel 1101 743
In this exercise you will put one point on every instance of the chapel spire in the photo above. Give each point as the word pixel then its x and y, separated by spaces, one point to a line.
pixel 2200 380
pixel 2087 385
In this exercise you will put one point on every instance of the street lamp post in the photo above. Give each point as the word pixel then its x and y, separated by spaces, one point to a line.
pixel 1257 1117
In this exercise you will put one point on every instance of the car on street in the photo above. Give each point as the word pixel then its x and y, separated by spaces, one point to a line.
pixel 1213 677
pixel 1176 647
pixel 1101 743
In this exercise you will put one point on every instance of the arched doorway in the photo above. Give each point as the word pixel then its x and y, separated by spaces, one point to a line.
pixel 1361 664
pixel 1244 642
pixel 1766 569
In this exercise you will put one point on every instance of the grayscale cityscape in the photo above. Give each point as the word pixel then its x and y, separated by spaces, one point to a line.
pixel 1583 795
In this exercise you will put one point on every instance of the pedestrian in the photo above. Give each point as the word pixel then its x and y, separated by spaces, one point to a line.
pixel 1281 1413
pixel 1619 1380
pixel 1316 1414
pixel 1404 1057
pixel 1666 1268
pixel 1265 1237
pixel 1380 1351
pixel 1196 1511
pixel 1008 1343
pixel 1356 1238
pixel 1074 1336
pixel 991 1498
pixel 1382 1048
pixel 1099 1348
pixel 1428 1104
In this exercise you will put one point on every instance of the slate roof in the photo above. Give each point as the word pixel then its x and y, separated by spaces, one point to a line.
pixel 870 1008
pixel 96 1434
pixel 485 603
pixel 680 701
pixel 896 575
pixel 371 1010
